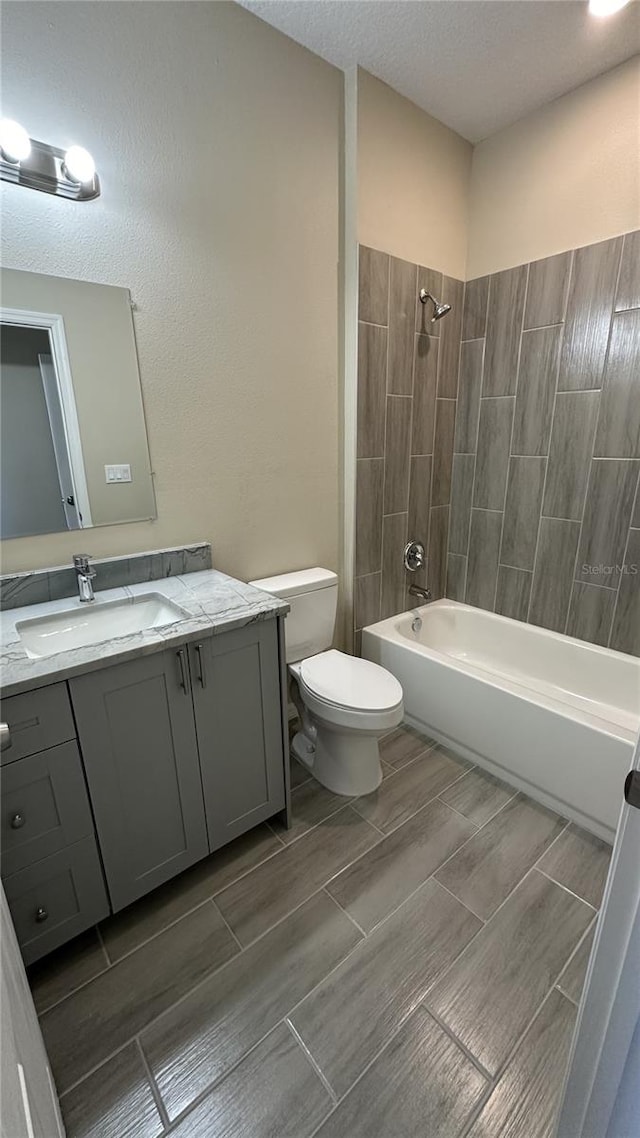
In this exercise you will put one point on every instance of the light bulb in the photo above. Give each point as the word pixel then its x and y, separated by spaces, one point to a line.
pixel 606 7
pixel 79 165
pixel 15 143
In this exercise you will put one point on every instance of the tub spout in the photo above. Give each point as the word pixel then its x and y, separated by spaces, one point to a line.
pixel 418 591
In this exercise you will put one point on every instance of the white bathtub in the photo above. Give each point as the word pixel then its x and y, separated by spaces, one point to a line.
pixel 556 717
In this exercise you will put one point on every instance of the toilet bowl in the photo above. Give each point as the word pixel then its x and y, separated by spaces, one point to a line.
pixel 345 704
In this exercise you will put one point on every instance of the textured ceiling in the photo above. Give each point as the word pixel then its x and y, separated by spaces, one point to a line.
pixel 477 65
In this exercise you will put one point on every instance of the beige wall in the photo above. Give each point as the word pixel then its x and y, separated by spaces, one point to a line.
pixel 413 181
pixel 567 175
pixel 217 142
pixel 98 332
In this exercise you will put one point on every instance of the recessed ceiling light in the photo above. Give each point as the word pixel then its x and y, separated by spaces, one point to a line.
pixel 606 7
pixel 14 141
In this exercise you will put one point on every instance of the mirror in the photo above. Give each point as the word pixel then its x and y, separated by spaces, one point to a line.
pixel 73 442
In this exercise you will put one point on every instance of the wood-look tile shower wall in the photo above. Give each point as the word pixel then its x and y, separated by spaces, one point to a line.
pixel 407 387
pixel 539 508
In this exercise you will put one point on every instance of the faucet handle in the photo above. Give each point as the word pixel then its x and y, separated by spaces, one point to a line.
pixel 81 564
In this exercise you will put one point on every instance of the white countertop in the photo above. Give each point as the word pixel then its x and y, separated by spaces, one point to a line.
pixel 213 602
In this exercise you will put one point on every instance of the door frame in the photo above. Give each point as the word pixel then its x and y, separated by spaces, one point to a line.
pixel 53 323
pixel 610 1006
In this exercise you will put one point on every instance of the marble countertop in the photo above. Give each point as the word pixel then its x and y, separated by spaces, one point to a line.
pixel 213 603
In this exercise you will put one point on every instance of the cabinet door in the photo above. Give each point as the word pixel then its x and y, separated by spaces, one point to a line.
pixel 28 1105
pixel 137 735
pixel 44 806
pixel 236 695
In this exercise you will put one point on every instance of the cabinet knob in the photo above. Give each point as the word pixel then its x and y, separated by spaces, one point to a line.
pixel 5 736
pixel 41 915
pixel 18 821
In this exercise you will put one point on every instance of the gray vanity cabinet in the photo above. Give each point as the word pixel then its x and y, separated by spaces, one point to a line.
pixel 137 734
pixel 237 703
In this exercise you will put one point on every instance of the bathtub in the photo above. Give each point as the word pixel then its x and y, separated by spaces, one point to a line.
pixel 553 716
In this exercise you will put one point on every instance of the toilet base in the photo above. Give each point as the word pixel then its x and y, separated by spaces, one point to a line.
pixel 346 762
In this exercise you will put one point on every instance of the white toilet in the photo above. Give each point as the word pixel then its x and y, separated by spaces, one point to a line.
pixel 345 704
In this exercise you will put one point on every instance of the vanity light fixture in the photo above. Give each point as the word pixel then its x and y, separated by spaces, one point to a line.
pixel 26 162
pixel 15 144
pixel 78 165
pixel 606 7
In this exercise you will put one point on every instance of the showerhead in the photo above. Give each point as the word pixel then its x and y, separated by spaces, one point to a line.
pixel 439 309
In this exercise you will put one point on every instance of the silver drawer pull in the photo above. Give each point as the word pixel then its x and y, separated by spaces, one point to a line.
pixel 202 675
pixel 41 915
pixel 5 736
pixel 184 683
pixel 18 821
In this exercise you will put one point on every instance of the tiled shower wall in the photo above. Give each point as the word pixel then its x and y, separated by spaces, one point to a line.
pixel 543 523
pixel 506 437
pixel 407 388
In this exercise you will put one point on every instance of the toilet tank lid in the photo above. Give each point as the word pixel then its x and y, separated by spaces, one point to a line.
pixel 293 584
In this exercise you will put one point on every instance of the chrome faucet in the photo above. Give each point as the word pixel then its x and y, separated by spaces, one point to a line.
pixel 85 576
pixel 418 591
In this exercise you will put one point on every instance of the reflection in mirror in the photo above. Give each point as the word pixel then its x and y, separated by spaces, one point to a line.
pixel 43 487
pixel 73 446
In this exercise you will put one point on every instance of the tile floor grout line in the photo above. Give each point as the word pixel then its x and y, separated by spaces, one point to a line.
pixel 387 1043
pixel 477 1110
pixel 157 1097
pixel 352 919
pixel 164 929
pixel 103 945
pixel 410 817
pixel 96 1067
pixel 475 835
pixel 502 1070
pixel 444 1026
pixel 312 1062
pixel 505 1063
pixel 314 825
pixel 566 995
pixel 399 1027
pixel 491 816
pixel 49 1008
pixel 556 839
pixel 564 887
pixel 485 920
pixel 455 811
pixel 219 1079
pixel 275 832
pixel 226 923
pixel 587 933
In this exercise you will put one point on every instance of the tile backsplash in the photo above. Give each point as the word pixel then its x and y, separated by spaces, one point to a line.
pixel 514 454
pixel 38 585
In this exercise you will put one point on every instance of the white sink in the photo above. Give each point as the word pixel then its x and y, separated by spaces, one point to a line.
pixel 94 622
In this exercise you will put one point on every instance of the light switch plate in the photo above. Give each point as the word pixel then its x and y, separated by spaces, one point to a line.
pixel 120 473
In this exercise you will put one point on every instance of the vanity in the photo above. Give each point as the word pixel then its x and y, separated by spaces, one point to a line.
pixel 145 730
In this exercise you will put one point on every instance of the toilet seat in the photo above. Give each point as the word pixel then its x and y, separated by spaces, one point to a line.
pixel 337 713
pixel 350 683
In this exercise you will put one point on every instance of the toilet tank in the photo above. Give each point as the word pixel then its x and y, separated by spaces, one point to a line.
pixel 313 598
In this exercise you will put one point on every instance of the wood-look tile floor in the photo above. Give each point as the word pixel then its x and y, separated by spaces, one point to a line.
pixel 401 965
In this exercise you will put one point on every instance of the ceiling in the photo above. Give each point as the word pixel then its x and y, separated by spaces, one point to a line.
pixel 477 65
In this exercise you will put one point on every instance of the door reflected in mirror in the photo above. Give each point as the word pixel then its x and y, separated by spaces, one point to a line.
pixel 73 445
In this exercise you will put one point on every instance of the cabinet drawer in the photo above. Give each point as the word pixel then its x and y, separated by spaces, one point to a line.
pixel 37 720
pixel 44 806
pixel 57 898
